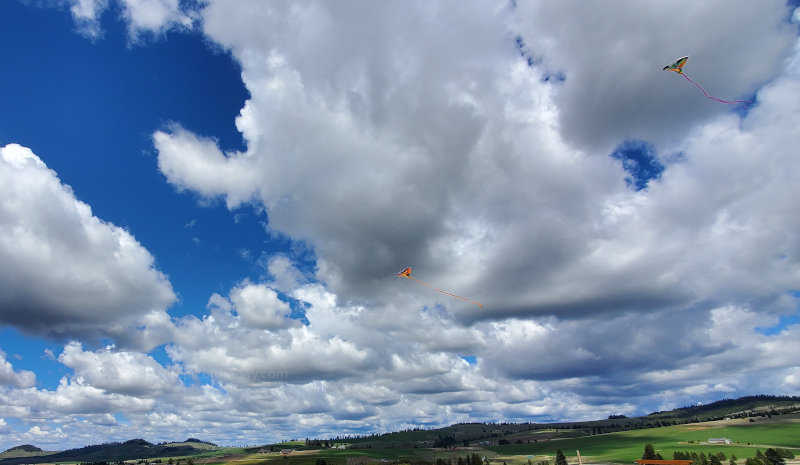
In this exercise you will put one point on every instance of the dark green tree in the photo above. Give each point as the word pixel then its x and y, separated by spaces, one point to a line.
pixel 650 453
pixel 773 457
pixel 560 459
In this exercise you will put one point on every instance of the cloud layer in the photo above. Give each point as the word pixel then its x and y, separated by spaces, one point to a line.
pixel 473 142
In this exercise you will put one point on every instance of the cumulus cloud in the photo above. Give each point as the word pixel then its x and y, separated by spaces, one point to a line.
pixel 236 348
pixel 443 137
pixel 454 150
pixel 612 55
pixel 10 377
pixel 86 14
pixel 68 273
pixel 143 16
pixel 124 372
pixel 154 16
pixel 460 159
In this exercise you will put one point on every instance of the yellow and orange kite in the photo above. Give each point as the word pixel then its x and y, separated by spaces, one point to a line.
pixel 407 274
pixel 678 68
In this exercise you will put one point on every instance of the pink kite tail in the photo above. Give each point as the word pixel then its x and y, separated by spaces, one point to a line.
pixel 444 292
pixel 712 97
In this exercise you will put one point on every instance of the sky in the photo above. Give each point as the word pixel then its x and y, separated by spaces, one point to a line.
pixel 204 206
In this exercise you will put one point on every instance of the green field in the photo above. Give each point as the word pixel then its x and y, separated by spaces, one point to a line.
pixel 759 423
pixel 624 447
pixel 621 447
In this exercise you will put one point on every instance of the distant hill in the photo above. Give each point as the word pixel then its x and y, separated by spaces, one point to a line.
pixel 111 452
pixel 473 434
pixel 200 442
pixel 25 448
pixel 742 407
pixel 494 433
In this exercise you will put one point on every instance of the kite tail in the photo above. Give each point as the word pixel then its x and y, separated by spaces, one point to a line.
pixel 734 102
pixel 443 292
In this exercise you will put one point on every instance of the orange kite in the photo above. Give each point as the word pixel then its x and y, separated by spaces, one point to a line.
pixel 407 274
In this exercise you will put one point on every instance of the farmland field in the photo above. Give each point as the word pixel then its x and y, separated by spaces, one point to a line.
pixel 620 447
pixel 624 447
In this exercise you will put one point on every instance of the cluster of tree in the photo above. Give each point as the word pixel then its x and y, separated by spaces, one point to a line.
pixel 769 457
pixel 25 448
pixel 744 405
pixel 187 461
pixel 138 442
pixel 195 440
pixel 650 453
pixel 318 443
pixel 473 459
pixel 466 433
pixel 200 441
pixel 444 441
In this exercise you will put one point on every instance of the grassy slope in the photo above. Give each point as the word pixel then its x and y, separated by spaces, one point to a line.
pixel 625 446
pixel 21 453
pixel 621 447
pixel 111 452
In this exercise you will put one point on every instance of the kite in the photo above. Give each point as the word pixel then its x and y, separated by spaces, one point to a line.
pixel 678 68
pixel 407 274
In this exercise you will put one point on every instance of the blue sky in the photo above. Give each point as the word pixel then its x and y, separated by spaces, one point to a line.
pixel 94 120
pixel 205 206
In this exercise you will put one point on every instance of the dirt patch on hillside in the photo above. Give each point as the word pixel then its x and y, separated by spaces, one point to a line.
pixel 219 459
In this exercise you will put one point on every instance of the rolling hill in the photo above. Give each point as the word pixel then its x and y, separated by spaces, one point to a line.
pixel 109 452
pixel 613 439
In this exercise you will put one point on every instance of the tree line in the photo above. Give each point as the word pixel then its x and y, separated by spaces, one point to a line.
pixel 772 456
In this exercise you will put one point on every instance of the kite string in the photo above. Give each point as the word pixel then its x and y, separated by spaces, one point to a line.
pixel 444 292
pixel 711 96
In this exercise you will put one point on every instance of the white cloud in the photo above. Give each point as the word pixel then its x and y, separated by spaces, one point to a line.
pixel 416 134
pixel 10 377
pixel 4 427
pixel 154 17
pixel 69 273
pixel 435 145
pixel 461 164
pixel 260 307
pixel 72 397
pixel 612 55
pixel 87 15
pixel 123 372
